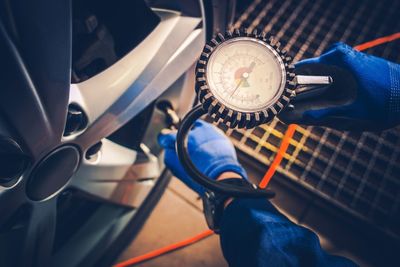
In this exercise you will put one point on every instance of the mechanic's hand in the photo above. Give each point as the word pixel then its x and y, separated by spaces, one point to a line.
pixel 210 150
pixel 376 103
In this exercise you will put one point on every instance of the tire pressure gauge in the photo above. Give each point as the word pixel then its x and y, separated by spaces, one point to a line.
pixel 244 78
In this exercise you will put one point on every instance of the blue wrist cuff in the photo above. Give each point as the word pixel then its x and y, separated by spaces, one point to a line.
pixel 226 165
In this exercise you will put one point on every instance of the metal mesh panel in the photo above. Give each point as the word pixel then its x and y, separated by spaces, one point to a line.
pixel 359 172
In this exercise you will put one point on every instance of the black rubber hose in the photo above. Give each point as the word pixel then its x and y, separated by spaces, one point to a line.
pixel 190 168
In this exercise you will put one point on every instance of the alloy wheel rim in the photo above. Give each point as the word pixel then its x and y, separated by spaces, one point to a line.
pixel 39 54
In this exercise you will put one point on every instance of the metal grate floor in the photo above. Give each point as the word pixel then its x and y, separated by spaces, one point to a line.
pixel 359 172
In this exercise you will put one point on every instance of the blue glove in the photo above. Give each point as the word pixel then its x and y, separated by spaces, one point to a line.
pixel 209 149
pixel 377 101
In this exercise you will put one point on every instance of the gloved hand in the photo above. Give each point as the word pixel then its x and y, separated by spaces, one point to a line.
pixel 209 149
pixel 377 102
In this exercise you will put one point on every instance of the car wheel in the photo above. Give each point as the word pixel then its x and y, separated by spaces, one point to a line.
pixel 79 83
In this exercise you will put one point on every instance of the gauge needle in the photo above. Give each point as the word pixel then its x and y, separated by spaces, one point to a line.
pixel 245 76
pixel 237 86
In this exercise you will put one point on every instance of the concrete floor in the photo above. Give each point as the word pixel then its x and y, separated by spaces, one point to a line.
pixel 177 216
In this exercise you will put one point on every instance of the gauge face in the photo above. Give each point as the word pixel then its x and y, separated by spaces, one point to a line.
pixel 246 74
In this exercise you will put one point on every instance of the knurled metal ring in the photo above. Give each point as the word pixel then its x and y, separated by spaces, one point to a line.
pixel 230 117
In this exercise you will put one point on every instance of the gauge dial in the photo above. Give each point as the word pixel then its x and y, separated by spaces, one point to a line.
pixel 246 74
pixel 244 78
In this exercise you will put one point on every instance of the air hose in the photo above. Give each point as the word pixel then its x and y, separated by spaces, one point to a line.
pixel 199 177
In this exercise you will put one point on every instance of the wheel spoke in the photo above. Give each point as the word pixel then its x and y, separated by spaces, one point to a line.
pixel 19 101
pixel 35 85
pixel 117 94
pixel 30 226
pixel 37 243
pixel 115 177
pixel 26 229
pixel 12 200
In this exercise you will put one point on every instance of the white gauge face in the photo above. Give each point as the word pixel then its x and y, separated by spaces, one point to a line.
pixel 246 74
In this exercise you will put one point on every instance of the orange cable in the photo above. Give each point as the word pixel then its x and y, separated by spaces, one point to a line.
pixel 279 156
pixel 165 249
pixel 263 184
pixel 377 42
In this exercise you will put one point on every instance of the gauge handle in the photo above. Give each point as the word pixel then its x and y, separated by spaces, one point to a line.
pixel 319 86
pixel 191 169
pixel 311 86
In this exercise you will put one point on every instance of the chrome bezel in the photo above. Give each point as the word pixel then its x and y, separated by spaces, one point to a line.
pixel 219 109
